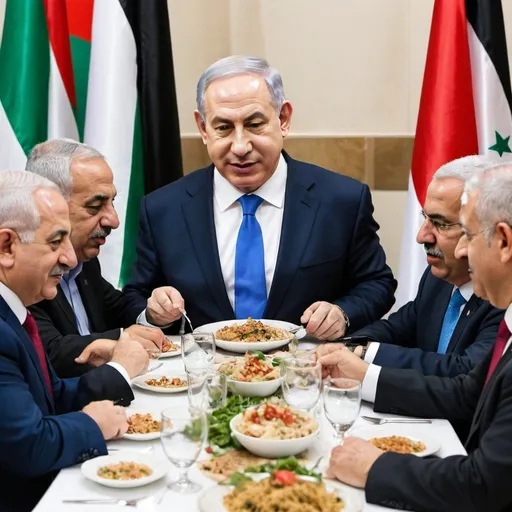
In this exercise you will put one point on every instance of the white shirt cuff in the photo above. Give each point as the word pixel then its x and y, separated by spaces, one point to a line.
pixel 371 352
pixel 120 368
pixel 142 320
pixel 369 386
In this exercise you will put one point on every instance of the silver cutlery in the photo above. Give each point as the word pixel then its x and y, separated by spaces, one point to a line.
pixel 155 367
pixel 109 501
pixel 148 449
pixel 184 313
pixel 382 421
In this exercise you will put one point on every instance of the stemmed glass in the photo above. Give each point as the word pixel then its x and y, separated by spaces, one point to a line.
pixel 342 404
pixel 183 434
pixel 301 382
pixel 207 390
pixel 198 350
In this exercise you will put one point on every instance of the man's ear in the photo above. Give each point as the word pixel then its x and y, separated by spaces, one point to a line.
pixel 8 241
pixel 504 235
pixel 200 126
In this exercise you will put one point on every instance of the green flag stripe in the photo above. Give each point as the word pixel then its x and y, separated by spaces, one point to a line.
pixel 81 55
pixel 25 70
pixel 135 194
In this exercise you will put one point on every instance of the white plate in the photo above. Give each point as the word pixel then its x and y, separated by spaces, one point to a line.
pixel 143 437
pixel 211 500
pixel 263 388
pixel 403 430
pixel 90 468
pixel 242 347
pixel 140 382
pixel 272 448
pixel 165 355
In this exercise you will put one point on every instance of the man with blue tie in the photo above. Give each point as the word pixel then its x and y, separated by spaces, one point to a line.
pixel 446 330
pixel 258 233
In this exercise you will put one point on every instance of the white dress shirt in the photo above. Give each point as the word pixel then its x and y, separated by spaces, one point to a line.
pixel 228 215
pixel 20 311
pixel 369 384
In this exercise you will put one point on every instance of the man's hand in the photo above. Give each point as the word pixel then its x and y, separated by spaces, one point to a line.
pixel 164 306
pixel 351 462
pixel 151 338
pixel 324 320
pixel 338 361
pixel 97 353
pixel 131 355
pixel 110 418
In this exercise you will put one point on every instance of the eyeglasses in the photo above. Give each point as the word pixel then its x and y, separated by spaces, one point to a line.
pixel 440 226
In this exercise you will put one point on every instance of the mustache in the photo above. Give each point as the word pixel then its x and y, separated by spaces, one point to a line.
pixel 59 269
pixel 432 250
pixel 101 233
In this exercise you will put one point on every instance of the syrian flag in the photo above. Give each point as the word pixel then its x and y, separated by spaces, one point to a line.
pixel 100 71
pixel 465 109
pixel 37 90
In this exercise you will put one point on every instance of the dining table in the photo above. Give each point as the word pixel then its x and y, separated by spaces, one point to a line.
pixel 70 484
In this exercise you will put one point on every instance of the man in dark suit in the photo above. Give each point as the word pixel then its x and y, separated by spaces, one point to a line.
pixel 481 480
pixel 46 423
pixel 258 233
pixel 87 309
pixel 446 330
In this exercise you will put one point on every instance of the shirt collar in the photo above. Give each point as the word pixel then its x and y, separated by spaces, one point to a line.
pixel 466 290
pixel 72 274
pixel 272 191
pixel 14 302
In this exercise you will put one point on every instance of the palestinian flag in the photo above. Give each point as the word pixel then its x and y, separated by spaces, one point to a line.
pixel 465 109
pixel 100 71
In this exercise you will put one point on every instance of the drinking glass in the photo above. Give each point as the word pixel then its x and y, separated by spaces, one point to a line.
pixel 342 403
pixel 198 350
pixel 207 390
pixel 301 382
pixel 183 434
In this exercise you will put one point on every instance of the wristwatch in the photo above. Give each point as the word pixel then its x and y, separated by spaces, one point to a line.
pixel 345 316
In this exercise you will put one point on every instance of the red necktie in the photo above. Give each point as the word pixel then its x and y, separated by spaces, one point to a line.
pixel 31 328
pixel 499 347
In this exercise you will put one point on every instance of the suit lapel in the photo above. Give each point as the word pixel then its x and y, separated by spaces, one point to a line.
pixel 300 208
pixel 469 310
pixel 65 306
pixel 89 298
pixel 488 390
pixel 12 320
pixel 199 218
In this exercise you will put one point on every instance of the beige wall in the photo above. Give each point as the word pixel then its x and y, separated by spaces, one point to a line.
pixel 350 67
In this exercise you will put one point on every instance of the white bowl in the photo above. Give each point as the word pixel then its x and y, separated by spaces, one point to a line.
pixel 264 388
pixel 272 448
pixel 243 347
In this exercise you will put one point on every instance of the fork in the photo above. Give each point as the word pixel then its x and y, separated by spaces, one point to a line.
pixel 183 318
pixel 382 421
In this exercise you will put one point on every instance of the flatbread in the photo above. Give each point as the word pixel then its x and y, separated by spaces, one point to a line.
pixel 222 467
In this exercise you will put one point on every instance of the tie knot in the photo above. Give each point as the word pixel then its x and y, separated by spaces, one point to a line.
pixel 30 324
pixel 457 299
pixel 250 203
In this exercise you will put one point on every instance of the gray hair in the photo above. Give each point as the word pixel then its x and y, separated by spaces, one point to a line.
pixel 464 168
pixel 52 160
pixel 241 65
pixel 494 189
pixel 18 208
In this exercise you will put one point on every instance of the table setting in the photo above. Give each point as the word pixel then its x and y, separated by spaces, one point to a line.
pixel 214 428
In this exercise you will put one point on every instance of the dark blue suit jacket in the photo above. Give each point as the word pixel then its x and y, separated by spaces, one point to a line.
pixel 329 249
pixel 410 336
pixel 39 436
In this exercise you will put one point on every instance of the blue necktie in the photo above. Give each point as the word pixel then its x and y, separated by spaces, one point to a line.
pixel 451 317
pixel 250 282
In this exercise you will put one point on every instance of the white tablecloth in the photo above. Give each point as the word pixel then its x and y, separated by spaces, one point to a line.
pixel 70 483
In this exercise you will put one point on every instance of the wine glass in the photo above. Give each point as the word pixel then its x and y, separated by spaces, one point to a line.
pixel 207 390
pixel 183 433
pixel 342 403
pixel 198 350
pixel 301 382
